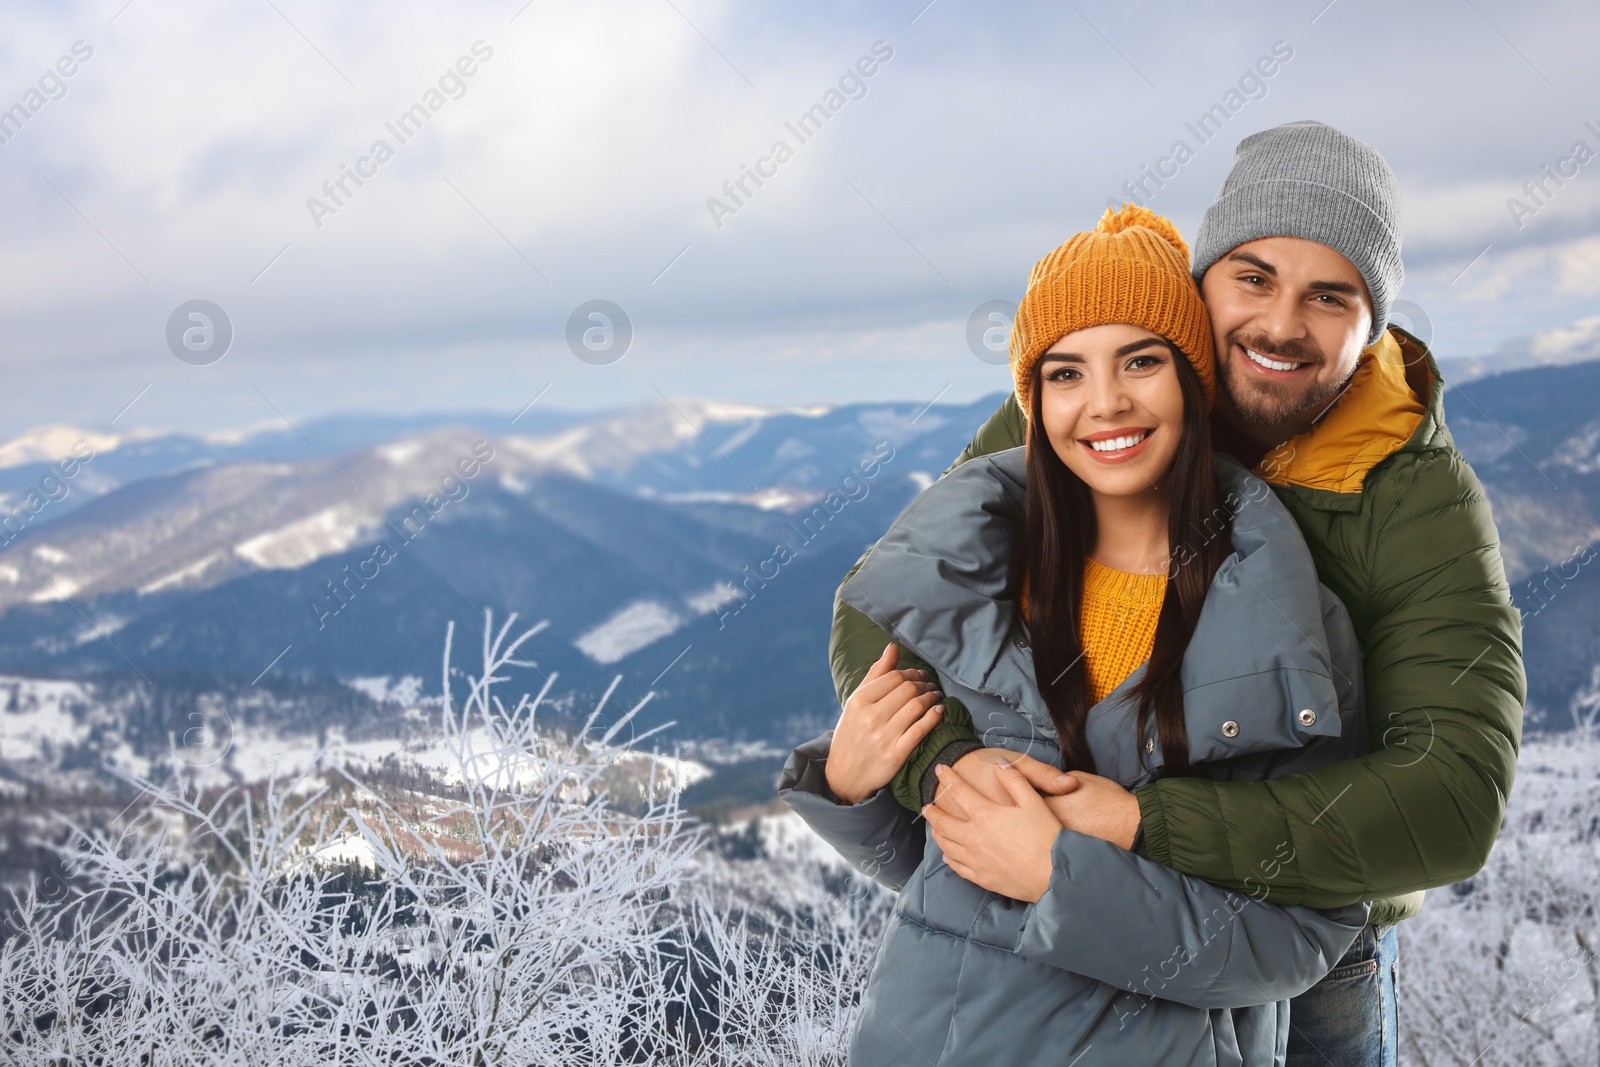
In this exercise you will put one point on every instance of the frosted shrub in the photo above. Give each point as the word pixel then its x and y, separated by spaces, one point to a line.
pixel 1502 968
pixel 526 920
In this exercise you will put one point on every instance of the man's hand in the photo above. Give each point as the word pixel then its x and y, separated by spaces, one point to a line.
pixel 887 716
pixel 1098 807
pixel 1002 847
pixel 975 769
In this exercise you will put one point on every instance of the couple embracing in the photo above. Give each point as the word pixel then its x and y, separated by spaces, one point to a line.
pixel 1203 660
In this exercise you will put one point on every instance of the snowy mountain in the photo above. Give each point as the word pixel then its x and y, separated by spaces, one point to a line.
pixel 1576 343
pixel 118 459
pixel 690 548
pixel 1533 437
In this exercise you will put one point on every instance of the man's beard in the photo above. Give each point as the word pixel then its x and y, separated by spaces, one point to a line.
pixel 1263 402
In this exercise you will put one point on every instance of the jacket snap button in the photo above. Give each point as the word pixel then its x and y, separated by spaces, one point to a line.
pixel 1149 744
pixel 1230 729
pixel 1019 642
pixel 1308 717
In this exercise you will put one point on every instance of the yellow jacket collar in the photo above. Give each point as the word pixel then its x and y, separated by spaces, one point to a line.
pixel 1376 414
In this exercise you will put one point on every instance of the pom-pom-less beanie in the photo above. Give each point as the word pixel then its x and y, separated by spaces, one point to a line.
pixel 1306 179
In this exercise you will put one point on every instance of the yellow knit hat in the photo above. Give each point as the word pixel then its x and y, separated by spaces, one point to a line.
pixel 1132 267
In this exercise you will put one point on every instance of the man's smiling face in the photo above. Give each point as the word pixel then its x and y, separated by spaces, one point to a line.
pixel 1290 317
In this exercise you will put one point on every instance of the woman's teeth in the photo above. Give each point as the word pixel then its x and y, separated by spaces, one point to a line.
pixel 1117 444
pixel 1270 364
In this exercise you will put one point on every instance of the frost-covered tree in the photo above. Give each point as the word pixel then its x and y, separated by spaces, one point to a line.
pixel 526 919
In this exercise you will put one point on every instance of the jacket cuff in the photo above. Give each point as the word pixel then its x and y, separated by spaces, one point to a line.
pixel 947 757
pixel 956 725
pixel 805 773
pixel 875 836
pixel 1152 840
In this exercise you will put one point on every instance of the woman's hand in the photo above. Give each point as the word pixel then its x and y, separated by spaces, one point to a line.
pixel 884 720
pixel 1079 800
pixel 1005 848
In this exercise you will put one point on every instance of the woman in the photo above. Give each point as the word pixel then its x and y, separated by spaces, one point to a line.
pixel 1111 599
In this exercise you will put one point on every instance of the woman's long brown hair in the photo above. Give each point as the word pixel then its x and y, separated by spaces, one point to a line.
pixel 1058 531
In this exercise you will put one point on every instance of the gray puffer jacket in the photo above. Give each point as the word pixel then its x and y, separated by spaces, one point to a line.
pixel 1121 961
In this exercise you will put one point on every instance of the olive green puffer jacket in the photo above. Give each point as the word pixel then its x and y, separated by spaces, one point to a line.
pixel 1400 530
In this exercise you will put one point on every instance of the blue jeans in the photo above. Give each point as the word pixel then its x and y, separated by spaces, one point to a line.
pixel 1348 1019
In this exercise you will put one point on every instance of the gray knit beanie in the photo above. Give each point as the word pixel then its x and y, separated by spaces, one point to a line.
pixel 1306 179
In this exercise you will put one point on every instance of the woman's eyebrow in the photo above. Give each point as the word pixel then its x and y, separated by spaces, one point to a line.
pixel 1128 349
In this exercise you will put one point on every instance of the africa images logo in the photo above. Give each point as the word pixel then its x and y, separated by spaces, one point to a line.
pixel 851 85
pixel 406 126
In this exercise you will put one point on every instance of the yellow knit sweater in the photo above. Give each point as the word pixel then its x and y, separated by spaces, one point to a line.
pixel 1116 623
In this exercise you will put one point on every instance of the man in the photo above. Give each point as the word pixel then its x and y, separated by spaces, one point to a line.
pixel 1298 261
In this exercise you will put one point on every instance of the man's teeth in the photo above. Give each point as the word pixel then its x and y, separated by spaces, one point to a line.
pixel 1270 364
pixel 1117 444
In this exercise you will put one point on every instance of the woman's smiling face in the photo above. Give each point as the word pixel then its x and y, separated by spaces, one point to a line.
pixel 1112 407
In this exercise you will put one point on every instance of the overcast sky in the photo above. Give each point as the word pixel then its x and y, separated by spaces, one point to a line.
pixel 575 163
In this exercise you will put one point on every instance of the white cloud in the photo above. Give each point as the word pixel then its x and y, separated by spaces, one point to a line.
pixel 591 140
pixel 1578 267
